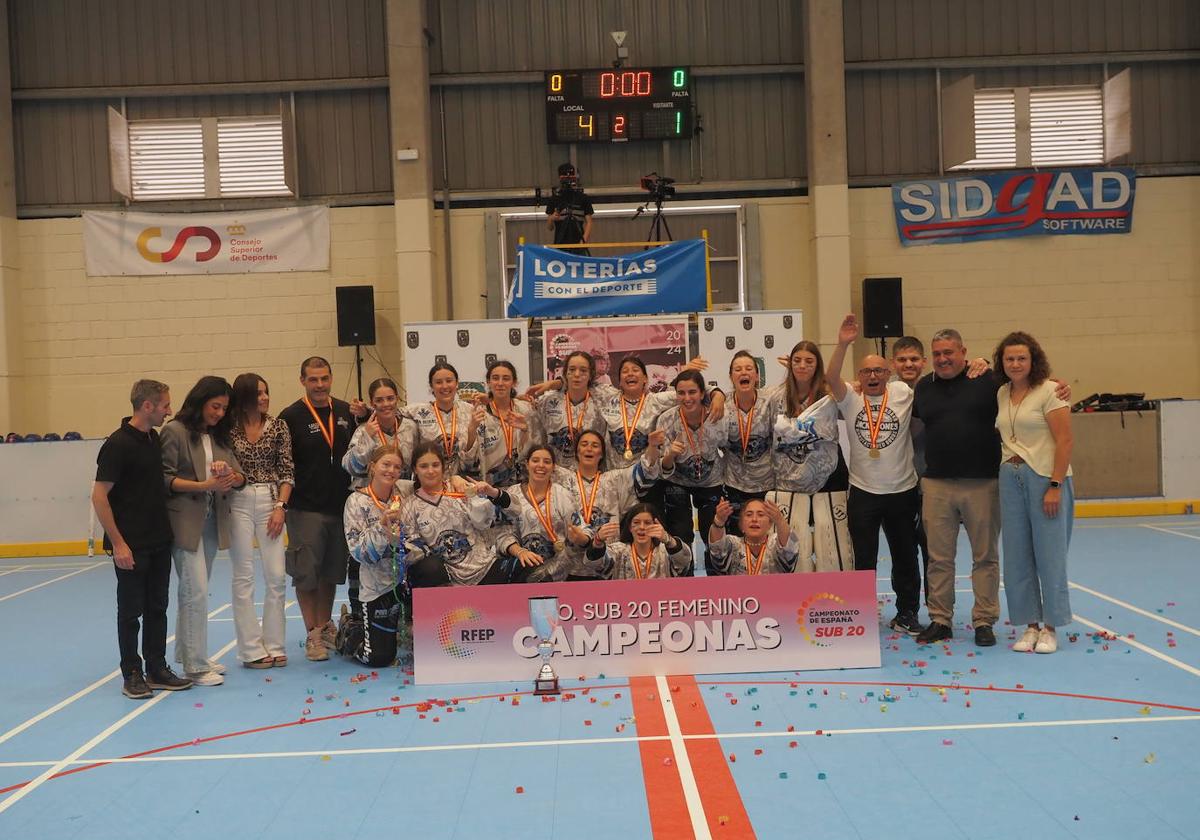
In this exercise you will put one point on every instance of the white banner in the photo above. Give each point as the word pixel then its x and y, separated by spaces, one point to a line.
pixel 129 243
pixel 767 334
pixel 471 346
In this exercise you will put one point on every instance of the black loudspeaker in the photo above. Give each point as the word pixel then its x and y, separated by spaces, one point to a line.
pixel 883 307
pixel 355 315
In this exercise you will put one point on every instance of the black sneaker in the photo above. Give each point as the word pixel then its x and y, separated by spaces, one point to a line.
pixel 935 632
pixel 168 680
pixel 135 687
pixel 906 622
pixel 984 636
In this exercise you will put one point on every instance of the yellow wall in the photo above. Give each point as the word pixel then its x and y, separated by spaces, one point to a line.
pixel 88 338
pixel 1113 313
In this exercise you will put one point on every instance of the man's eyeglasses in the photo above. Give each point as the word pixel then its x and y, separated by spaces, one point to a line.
pixel 872 371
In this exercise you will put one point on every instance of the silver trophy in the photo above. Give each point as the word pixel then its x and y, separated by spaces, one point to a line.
pixel 543 617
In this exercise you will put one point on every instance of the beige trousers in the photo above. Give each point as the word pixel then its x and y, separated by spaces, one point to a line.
pixel 975 503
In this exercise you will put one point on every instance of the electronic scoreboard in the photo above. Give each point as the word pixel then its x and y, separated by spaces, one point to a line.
pixel 619 105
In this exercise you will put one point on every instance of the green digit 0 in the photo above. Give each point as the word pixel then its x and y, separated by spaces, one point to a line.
pixel 679 78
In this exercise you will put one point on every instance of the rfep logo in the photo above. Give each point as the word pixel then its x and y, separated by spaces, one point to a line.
pixel 457 637
pixel 181 238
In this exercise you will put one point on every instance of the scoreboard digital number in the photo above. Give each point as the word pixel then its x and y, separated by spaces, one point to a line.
pixel 618 105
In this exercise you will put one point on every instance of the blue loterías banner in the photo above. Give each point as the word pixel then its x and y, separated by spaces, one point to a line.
pixel 550 283
pixel 999 205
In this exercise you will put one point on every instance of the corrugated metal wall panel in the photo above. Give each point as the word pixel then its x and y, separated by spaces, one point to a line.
pixel 496 138
pixel 159 108
pixel 86 43
pixel 753 127
pixel 61 153
pixel 481 36
pixel 1166 116
pixel 343 143
pixel 895 29
pixel 891 123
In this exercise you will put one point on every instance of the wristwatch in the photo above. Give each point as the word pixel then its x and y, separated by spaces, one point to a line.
pixel 281 505
pixel 1055 484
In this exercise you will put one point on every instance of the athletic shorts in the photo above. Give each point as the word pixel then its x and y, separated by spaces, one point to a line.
pixel 316 551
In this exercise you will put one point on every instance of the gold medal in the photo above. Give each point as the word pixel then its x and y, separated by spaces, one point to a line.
pixel 559 546
pixel 629 428
pixel 874 453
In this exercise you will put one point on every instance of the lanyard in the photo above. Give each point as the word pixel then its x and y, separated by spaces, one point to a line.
pixel 873 427
pixel 629 430
pixel 587 503
pixel 325 433
pixel 379 504
pixel 547 518
pixel 744 431
pixel 695 444
pixel 505 429
pixel 573 432
pixel 447 439
pixel 638 571
pixel 383 439
pixel 754 568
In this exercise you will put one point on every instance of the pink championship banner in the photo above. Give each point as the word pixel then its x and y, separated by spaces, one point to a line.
pixel 649 627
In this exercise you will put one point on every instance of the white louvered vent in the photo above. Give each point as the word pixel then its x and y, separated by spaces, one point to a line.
pixel 1066 126
pixel 166 159
pixel 250 156
pixel 995 131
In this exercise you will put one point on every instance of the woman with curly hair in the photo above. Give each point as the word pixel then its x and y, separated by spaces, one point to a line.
pixel 1037 500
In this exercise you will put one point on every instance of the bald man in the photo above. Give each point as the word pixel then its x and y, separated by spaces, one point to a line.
pixel 883 482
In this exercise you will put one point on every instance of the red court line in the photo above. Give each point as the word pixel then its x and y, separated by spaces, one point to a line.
pixel 303 721
pixel 957 687
pixel 669 817
pixel 723 804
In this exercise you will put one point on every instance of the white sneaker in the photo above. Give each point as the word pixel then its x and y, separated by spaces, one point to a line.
pixel 216 667
pixel 206 678
pixel 1047 642
pixel 1028 639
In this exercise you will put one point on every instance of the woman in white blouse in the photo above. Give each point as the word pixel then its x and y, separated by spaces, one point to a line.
pixel 1037 500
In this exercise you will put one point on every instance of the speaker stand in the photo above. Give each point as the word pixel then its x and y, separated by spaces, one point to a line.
pixel 358 367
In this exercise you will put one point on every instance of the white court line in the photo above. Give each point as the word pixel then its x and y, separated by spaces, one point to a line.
pixel 687 777
pixel 1144 648
pixel 1132 608
pixel 83 692
pixel 10 571
pixel 87 746
pixel 50 567
pixel 1169 531
pixel 52 580
pixel 628 739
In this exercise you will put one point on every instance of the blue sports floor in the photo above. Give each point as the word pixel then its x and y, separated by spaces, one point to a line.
pixel 1101 740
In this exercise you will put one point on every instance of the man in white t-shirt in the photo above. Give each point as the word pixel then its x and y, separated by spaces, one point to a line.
pixel 883 482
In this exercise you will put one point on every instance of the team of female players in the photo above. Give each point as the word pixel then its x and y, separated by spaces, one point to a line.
pixel 574 480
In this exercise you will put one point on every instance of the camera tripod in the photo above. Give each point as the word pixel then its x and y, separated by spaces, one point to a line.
pixel 660 231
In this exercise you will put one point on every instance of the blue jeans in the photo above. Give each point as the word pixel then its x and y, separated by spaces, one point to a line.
pixel 1035 547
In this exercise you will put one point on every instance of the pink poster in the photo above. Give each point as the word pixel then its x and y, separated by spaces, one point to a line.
pixel 662 344
pixel 649 627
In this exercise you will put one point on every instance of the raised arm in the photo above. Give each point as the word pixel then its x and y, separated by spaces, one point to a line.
pixel 833 374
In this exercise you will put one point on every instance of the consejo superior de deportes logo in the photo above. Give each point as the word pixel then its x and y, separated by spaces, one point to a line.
pixel 181 239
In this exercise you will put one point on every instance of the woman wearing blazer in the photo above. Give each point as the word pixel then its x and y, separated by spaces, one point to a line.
pixel 200 470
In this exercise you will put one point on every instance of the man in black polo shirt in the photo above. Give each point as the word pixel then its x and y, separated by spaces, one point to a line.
pixel 321 427
pixel 961 484
pixel 962 457
pixel 130 499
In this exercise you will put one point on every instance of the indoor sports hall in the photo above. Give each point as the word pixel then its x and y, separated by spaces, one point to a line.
pixel 379 239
